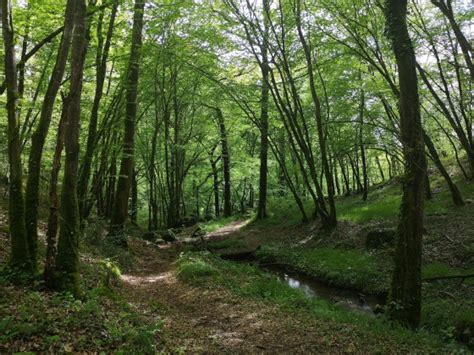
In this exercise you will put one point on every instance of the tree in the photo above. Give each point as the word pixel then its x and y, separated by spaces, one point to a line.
pixel 40 134
pixel 405 291
pixel 120 209
pixel 262 186
pixel 67 259
pixel 19 257
pixel 101 69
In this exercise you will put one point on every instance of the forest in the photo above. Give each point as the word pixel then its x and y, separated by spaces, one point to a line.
pixel 237 176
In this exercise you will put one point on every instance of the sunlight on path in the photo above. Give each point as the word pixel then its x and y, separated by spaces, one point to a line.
pixel 137 280
pixel 228 228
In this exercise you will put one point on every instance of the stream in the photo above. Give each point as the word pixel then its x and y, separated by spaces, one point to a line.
pixel 312 288
pixel 349 299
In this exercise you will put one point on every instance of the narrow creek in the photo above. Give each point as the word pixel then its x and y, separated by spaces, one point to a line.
pixel 349 299
pixel 344 297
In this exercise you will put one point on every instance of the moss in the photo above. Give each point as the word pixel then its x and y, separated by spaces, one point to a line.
pixel 19 257
pixel 67 259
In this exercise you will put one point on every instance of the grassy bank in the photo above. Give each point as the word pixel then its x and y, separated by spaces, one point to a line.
pixel 362 331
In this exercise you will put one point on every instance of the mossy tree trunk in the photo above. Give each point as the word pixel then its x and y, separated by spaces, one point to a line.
pixel 120 209
pixel 53 219
pixel 67 259
pixel 39 136
pixel 405 292
pixel 19 257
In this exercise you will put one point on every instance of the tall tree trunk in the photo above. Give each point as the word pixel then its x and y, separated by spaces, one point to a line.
pixel 101 69
pixel 225 163
pixel 39 136
pixel 379 165
pixel 336 176
pixel 215 185
pixel 19 257
pixel 67 258
pixel 53 219
pixel 262 191
pixel 365 186
pixel 331 219
pixel 134 200
pixel 405 292
pixel 120 210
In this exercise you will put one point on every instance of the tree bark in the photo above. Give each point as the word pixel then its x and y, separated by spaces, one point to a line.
pixel 67 258
pixel 262 192
pixel 405 292
pixel 365 185
pixel 53 219
pixel 39 136
pixel 120 210
pixel 19 256
pixel 225 163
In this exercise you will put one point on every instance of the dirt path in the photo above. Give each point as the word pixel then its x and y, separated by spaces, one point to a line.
pixel 228 229
pixel 201 320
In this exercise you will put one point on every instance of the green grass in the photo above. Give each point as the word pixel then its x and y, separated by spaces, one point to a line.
pixel 193 268
pixel 440 269
pixel 248 281
pixel 382 204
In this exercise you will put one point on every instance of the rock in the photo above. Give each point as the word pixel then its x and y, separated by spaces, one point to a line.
pixel 379 238
pixel 379 309
pixel 150 236
pixel 468 201
pixel 168 236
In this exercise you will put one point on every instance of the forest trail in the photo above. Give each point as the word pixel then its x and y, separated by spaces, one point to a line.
pixel 197 319
pixel 228 229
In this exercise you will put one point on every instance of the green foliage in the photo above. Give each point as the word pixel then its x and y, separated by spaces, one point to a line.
pixel 450 319
pixel 193 268
pixel 61 323
pixel 110 272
